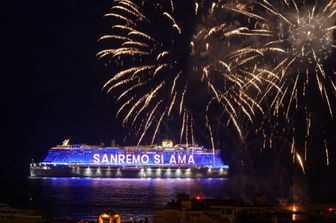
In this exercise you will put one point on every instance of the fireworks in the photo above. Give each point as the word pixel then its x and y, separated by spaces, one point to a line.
pixel 153 82
pixel 224 62
pixel 294 41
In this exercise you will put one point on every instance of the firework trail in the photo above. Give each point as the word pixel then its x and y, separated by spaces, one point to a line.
pixel 178 61
pixel 295 39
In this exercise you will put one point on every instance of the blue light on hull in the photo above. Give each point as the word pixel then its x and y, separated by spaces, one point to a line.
pixel 136 157
pixel 130 162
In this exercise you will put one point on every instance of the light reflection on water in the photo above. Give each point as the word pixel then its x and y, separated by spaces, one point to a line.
pixel 85 198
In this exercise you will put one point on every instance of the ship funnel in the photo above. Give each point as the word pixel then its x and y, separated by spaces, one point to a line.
pixel 167 143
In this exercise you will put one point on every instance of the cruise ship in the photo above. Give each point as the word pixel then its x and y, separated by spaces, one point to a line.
pixel 162 161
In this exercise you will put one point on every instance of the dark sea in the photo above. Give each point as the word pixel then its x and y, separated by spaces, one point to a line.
pixel 85 198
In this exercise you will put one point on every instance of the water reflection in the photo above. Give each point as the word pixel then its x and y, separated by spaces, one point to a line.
pixel 85 198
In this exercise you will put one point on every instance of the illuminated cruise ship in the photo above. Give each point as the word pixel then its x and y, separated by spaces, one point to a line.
pixel 164 161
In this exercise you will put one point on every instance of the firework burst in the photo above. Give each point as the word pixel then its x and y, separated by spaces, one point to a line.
pixel 177 61
pixel 297 45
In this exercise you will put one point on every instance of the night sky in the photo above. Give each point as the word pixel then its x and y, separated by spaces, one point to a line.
pixel 52 80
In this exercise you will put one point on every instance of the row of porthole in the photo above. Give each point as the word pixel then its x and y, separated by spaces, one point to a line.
pixel 148 169
pixel 118 173
pixel 210 169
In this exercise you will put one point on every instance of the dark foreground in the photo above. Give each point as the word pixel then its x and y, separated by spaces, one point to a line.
pixel 184 209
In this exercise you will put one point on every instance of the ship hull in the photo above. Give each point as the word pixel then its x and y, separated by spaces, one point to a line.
pixel 126 172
